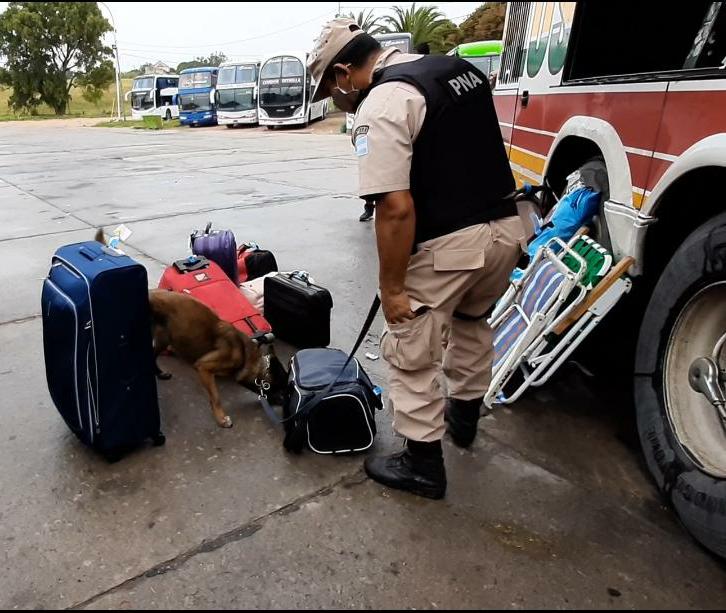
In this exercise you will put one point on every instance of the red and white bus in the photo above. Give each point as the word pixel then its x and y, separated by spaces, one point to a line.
pixel 636 95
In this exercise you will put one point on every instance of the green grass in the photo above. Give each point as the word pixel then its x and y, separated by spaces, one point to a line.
pixel 139 125
pixel 78 107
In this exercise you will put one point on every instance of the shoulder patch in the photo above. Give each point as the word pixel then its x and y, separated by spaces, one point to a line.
pixel 360 131
pixel 361 144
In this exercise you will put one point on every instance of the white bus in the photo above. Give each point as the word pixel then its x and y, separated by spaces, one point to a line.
pixel 285 87
pixel 237 93
pixel 154 95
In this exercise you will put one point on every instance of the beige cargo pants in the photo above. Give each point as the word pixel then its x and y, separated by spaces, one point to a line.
pixel 463 273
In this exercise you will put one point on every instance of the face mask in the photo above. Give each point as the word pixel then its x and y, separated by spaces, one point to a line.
pixel 341 90
pixel 345 100
pixel 348 102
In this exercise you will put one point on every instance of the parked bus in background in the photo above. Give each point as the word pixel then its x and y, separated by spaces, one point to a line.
pixel 484 54
pixel 237 93
pixel 629 99
pixel 403 41
pixel 285 89
pixel 197 100
pixel 154 95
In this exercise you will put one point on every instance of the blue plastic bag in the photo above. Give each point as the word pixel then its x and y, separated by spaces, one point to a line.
pixel 571 213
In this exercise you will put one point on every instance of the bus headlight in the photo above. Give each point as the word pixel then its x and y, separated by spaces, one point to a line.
pixel 263 114
pixel 298 112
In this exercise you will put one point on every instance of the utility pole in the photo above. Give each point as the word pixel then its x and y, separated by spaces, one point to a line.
pixel 118 66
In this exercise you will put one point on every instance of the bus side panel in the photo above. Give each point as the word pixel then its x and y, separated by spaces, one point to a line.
pixel 506 92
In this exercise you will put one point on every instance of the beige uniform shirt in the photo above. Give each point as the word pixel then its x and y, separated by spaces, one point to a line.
pixel 385 128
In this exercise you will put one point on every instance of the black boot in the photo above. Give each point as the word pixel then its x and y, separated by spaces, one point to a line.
pixel 367 213
pixel 462 417
pixel 418 469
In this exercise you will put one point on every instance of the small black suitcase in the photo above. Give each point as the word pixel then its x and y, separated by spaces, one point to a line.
pixel 298 311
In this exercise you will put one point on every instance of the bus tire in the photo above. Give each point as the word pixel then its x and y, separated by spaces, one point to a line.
pixel 167 115
pixel 270 127
pixel 682 438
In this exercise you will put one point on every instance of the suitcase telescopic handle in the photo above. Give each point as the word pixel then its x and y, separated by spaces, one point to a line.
pixel 208 228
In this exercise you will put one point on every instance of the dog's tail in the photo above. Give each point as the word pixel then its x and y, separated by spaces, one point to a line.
pixel 99 238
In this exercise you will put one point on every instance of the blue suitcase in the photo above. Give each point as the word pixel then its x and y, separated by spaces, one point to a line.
pixel 219 246
pixel 99 358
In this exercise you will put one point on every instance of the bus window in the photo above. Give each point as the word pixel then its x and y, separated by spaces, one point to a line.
pixel 195 79
pixel 272 69
pixel 226 75
pixel 514 42
pixel 246 74
pixel 709 46
pixel 657 42
pixel 482 63
pixel 292 67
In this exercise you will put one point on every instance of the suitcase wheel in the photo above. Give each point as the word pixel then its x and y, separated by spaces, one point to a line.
pixel 158 440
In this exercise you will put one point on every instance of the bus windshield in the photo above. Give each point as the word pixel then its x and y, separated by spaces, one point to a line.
pixel 195 79
pixel 281 82
pixel 241 99
pixel 237 74
pixel 142 101
pixel 195 102
pixel 144 83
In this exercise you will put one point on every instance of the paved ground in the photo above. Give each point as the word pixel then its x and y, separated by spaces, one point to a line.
pixel 549 509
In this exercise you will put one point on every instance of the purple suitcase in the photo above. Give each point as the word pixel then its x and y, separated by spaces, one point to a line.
pixel 220 247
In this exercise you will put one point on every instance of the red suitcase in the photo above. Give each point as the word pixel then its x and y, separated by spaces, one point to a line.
pixel 207 282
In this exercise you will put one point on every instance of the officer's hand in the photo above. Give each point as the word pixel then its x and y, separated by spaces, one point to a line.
pixel 397 307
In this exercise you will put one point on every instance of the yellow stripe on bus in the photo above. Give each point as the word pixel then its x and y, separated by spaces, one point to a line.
pixel 527 160
pixel 536 165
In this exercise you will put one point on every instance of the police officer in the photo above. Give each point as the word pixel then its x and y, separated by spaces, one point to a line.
pixel 431 158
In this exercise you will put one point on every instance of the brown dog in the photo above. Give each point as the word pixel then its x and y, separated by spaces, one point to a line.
pixel 213 346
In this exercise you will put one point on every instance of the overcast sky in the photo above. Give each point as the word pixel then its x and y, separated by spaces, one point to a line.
pixel 174 32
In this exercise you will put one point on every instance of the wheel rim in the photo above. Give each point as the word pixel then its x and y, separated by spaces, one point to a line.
pixel 694 420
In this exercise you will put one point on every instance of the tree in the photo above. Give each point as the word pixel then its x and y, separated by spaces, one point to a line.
pixel 51 47
pixel 367 22
pixel 423 23
pixel 485 23
pixel 445 38
pixel 214 59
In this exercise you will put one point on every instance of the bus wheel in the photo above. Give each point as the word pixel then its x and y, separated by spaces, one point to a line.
pixel 270 127
pixel 680 384
pixel 167 116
